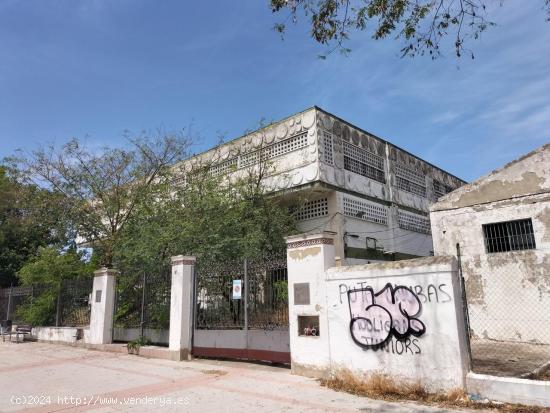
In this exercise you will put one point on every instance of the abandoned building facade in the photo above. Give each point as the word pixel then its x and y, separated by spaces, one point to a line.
pixel 501 224
pixel 338 177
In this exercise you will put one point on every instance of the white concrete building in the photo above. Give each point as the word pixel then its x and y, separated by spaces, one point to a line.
pixel 502 224
pixel 374 195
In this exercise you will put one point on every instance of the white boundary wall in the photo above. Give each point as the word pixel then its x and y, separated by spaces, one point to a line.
pixel 436 356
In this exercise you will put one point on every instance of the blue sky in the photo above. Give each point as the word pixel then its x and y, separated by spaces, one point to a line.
pixel 75 68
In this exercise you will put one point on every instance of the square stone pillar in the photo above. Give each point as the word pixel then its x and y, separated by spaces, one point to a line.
pixel 308 258
pixel 181 307
pixel 103 306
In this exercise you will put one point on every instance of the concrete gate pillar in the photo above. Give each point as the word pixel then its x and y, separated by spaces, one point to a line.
pixel 103 306
pixel 181 307
pixel 308 257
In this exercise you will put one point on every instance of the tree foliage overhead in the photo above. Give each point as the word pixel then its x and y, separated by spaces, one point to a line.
pixel 29 219
pixel 46 272
pixel 101 190
pixel 216 216
pixel 421 24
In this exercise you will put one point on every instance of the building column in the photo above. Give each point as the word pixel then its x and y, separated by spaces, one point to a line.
pixel 308 257
pixel 103 306
pixel 181 307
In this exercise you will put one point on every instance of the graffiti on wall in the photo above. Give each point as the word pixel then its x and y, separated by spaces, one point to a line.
pixel 377 317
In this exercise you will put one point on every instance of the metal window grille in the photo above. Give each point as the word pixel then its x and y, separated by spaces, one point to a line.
pixel 440 189
pixel 410 181
pixel 509 236
pixel 327 151
pixel 365 210
pixel 364 163
pixel 413 222
pixel 311 209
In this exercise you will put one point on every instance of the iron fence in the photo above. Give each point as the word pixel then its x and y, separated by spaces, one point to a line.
pixel 263 303
pixel 142 306
pixel 63 305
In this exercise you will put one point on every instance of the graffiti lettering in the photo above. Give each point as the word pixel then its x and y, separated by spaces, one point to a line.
pixel 431 294
pixel 399 347
pixel 391 312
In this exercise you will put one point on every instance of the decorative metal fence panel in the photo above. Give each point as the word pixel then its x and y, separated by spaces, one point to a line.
pixel 74 308
pixel 264 300
pixel 142 307
pixel 64 305
pixel 267 292
pixel 215 308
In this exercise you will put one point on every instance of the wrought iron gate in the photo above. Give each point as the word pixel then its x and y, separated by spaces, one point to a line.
pixel 142 307
pixel 253 327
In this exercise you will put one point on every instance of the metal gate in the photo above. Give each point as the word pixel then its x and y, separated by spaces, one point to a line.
pixel 252 327
pixel 142 308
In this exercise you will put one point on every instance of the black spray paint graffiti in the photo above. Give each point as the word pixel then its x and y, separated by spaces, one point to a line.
pixel 391 312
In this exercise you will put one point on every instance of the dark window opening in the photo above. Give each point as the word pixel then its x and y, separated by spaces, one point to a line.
pixel 509 236
pixel 364 169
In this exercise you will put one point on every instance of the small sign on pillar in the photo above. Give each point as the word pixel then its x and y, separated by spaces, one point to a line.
pixel 237 289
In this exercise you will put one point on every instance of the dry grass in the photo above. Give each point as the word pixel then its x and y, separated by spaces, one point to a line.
pixel 379 386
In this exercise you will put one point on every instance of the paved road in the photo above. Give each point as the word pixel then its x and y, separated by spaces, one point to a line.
pixel 38 377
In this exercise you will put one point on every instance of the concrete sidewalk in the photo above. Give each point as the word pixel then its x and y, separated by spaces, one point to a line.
pixel 41 377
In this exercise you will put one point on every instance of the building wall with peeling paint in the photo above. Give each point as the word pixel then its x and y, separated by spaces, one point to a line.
pixel 508 293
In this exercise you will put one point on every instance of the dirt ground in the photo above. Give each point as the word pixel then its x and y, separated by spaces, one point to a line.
pixel 509 359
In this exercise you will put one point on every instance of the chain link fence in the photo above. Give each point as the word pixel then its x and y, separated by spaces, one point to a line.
pixel 63 305
pixel 508 300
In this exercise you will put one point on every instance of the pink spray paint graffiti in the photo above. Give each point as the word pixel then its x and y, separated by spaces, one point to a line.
pixel 375 318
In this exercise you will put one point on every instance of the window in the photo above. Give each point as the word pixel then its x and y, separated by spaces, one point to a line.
pixel 440 189
pixel 509 236
pixel 327 152
pixel 410 180
pixel 413 222
pixel 276 149
pixel 365 210
pixel 363 163
pixel 311 209
pixel 224 167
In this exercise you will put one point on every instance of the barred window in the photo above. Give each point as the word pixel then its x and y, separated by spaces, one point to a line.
pixel 224 167
pixel 276 149
pixel 365 210
pixel 285 146
pixel 311 209
pixel 413 222
pixel 410 181
pixel 327 152
pixel 509 236
pixel 364 163
pixel 440 189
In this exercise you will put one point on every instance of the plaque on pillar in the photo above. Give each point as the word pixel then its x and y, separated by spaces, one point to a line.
pixel 301 294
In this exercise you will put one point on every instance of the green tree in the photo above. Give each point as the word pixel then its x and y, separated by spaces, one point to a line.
pixel 219 216
pixel 102 190
pixel 422 25
pixel 46 273
pixel 30 217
